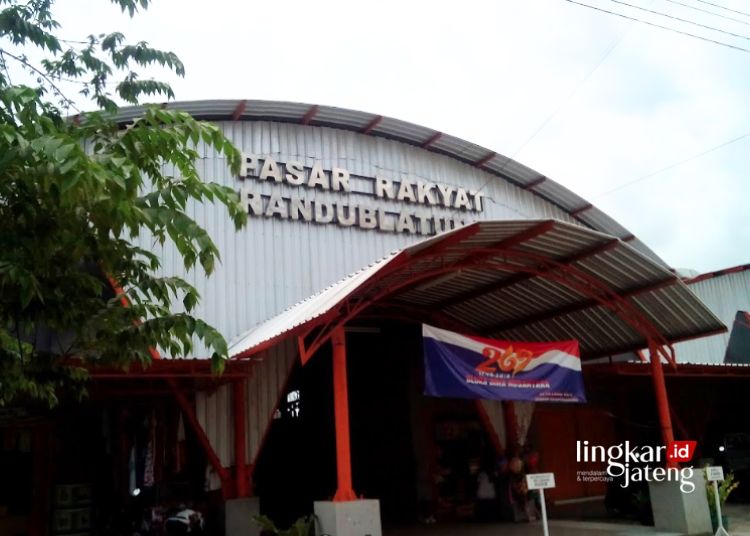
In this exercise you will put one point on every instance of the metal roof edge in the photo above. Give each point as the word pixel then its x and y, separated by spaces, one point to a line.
pixel 370 125
pixel 717 273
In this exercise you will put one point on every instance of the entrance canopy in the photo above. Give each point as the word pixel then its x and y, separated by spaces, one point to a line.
pixel 521 280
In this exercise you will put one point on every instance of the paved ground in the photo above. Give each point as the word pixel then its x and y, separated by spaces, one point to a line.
pixel 739 525
pixel 739 519
pixel 557 528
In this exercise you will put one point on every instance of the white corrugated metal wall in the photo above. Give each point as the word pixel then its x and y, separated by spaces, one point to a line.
pixel 724 295
pixel 263 390
pixel 274 263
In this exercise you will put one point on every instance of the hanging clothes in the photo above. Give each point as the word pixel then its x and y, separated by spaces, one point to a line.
pixel 150 456
pixel 132 478
pixel 181 454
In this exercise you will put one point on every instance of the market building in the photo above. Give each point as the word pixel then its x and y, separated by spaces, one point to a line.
pixel 362 228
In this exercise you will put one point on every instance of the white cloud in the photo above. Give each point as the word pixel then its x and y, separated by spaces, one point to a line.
pixel 492 72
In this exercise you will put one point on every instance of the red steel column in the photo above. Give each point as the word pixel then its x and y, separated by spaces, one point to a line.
pixel 341 411
pixel 662 402
pixel 242 484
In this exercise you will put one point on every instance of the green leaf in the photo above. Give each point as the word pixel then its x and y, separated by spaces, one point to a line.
pixel 84 199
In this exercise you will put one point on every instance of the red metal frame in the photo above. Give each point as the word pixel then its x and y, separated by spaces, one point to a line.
pixel 372 124
pixel 239 110
pixel 432 139
pixel 241 473
pixel 662 402
pixel 579 306
pixel 524 276
pixel 173 368
pixel 189 411
pixel 718 273
pixel 503 257
pixel 310 114
pixel 187 408
pixel 486 158
pixel 345 492
pixel 686 370
pixel 500 256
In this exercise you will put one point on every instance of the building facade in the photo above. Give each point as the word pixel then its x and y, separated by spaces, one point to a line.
pixel 360 228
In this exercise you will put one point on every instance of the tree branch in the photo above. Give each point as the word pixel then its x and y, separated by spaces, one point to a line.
pixel 43 75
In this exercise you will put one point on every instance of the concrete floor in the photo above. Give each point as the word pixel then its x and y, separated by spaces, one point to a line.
pixel 739 519
pixel 739 525
pixel 557 528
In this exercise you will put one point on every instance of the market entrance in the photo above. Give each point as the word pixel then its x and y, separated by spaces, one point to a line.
pixel 511 280
pixel 418 455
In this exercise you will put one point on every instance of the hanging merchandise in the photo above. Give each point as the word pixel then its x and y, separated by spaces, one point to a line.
pixel 132 481
pixel 181 451
pixel 148 469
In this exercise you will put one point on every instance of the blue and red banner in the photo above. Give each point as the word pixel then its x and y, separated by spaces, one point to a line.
pixel 459 366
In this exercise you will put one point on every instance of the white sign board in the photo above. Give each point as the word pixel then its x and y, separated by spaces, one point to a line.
pixel 540 480
pixel 715 473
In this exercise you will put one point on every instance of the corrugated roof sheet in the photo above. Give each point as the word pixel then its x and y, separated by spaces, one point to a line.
pixel 387 127
pixel 527 280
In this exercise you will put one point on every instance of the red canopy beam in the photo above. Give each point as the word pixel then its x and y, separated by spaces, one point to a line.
pixel 346 311
pixel 523 276
pixel 575 307
pixel 564 274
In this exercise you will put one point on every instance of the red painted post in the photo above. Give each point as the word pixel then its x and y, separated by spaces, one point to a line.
pixel 189 412
pixel 662 402
pixel 345 492
pixel 242 483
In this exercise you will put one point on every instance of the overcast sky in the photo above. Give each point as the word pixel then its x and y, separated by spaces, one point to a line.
pixel 616 100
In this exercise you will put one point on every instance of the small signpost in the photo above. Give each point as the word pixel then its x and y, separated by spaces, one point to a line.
pixel 716 474
pixel 541 481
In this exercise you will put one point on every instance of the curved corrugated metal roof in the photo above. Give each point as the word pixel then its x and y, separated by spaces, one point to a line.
pixel 517 280
pixel 424 137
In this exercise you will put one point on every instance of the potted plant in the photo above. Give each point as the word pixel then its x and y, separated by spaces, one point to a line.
pixel 726 487
pixel 304 526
